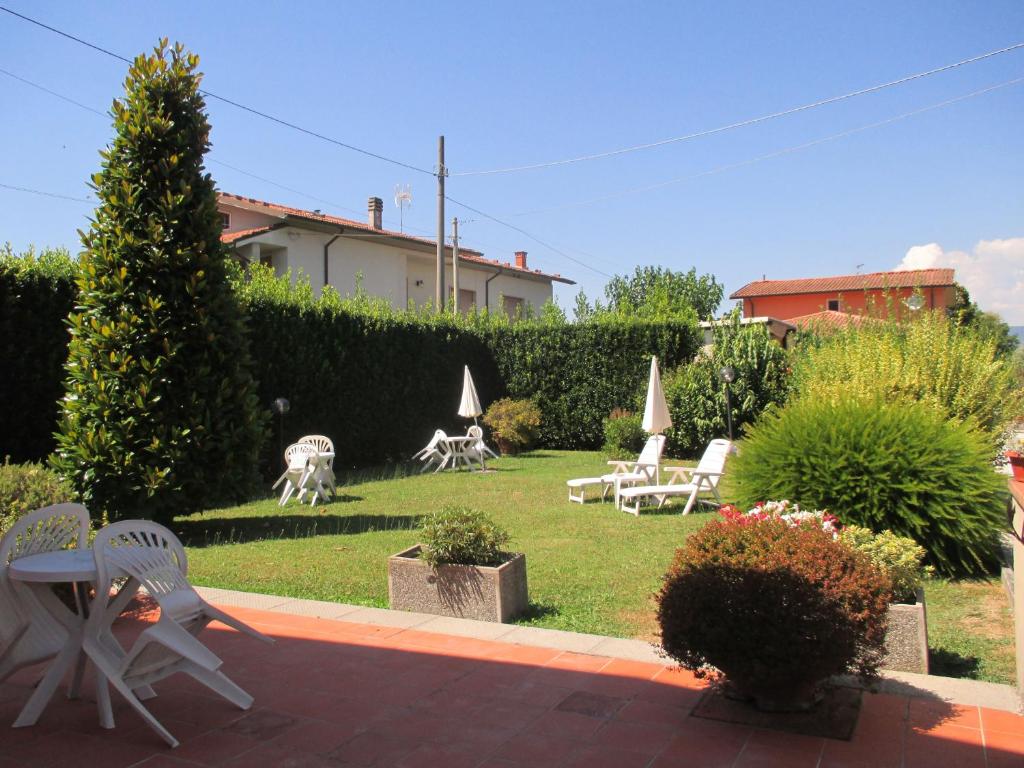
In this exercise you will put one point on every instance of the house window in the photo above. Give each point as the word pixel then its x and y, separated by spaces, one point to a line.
pixel 833 305
pixel 512 305
pixel 225 220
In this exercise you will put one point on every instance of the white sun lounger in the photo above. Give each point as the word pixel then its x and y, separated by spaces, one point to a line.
pixel 643 470
pixel 683 481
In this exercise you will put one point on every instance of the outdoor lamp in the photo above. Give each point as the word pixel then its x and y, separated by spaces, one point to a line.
pixel 280 406
pixel 728 375
pixel 915 302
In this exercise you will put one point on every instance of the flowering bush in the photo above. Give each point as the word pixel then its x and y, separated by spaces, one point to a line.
pixel 782 510
pixel 898 556
pixel 775 606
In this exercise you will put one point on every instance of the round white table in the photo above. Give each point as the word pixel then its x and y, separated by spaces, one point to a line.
pixel 40 573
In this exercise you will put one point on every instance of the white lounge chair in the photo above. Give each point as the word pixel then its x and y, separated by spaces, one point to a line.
pixel 683 481
pixel 624 474
pixel 302 460
pixel 29 633
pixel 435 452
pixel 325 473
pixel 151 556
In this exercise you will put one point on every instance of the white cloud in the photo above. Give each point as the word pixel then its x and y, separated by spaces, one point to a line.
pixel 993 273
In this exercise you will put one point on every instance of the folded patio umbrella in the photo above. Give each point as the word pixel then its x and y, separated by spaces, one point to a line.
pixel 469 407
pixel 656 416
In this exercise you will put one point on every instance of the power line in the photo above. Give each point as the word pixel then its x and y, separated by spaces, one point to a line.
pixel 771 155
pixel 46 194
pixel 224 99
pixel 523 232
pixel 745 123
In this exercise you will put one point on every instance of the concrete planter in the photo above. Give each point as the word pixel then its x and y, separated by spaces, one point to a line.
pixel 465 591
pixel 906 639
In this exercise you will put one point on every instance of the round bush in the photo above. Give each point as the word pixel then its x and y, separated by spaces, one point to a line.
pixel 774 608
pixel 885 466
pixel 624 434
pixel 461 536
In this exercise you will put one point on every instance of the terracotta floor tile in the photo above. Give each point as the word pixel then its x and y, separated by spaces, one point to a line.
pixel 597 757
pixel 998 720
pixel 592 704
pixel 758 755
pixel 648 738
pixel 371 749
pixel 1004 750
pixel 263 724
pixel 524 654
pixel 578 662
pixel 931 750
pixel 640 711
pixel 317 737
pixel 215 747
pixel 165 761
pixel 438 756
pixel 636 669
pixel 537 750
pixel 273 756
pixel 926 714
pixel 569 725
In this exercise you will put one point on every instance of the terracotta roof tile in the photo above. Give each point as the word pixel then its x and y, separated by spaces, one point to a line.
pixel 830 319
pixel 465 254
pixel 911 278
pixel 230 237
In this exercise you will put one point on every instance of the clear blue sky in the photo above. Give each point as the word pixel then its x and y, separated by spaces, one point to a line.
pixel 552 80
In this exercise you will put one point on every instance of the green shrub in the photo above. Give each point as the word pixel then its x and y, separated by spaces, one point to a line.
pixel 36 293
pixel 957 369
pixel 624 434
pixel 900 557
pixel 461 536
pixel 514 423
pixel 886 466
pixel 696 394
pixel 25 487
pixel 160 416
pixel 774 608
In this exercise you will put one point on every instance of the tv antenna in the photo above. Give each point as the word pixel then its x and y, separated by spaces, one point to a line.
pixel 403 198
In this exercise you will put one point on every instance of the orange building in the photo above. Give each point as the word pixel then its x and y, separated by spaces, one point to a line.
pixel 869 294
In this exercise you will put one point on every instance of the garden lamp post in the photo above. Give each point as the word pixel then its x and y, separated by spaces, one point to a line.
pixel 728 375
pixel 280 406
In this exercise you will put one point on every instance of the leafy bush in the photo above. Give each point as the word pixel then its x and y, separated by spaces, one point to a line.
pixel 696 394
pixel 36 293
pixel 513 422
pixel 624 434
pixel 160 416
pixel 461 536
pixel 901 467
pixel 901 558
pixel 957 369
pixel 25 487
pixel 774 608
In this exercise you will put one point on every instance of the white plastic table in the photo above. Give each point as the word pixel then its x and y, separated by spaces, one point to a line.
pixel 459 451
pixel 39 573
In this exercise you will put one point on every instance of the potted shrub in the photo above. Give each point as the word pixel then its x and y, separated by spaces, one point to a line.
pixel 513 423
pixel 906 636
pixel 459 569
pixel 771 609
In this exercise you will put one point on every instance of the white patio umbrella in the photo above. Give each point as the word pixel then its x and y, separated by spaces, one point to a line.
pixel 656 415
pixel 469 406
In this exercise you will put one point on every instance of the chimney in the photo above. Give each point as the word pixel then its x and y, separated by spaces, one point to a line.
pixel 521 259
pixel 375 210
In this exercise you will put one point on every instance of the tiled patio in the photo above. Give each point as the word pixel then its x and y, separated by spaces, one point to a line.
pixel 340 692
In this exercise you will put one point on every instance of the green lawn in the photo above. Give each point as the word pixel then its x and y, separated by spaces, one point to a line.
pixel 591 568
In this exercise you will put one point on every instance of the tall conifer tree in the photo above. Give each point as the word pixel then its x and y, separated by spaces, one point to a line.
pixel 160 415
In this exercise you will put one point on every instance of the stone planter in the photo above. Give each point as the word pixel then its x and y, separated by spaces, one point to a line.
pixel 465 591
pixel 906 639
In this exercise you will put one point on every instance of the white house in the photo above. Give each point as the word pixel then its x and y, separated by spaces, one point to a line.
pixel 395 266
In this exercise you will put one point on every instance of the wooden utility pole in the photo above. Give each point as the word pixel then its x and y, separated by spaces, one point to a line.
pixel 455 261
pixel 439 295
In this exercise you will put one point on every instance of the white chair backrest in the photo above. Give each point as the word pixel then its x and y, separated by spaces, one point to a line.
pixel 44 530
pixel 147 552
pixel 714 458
pixel 320 442
pixel 297 454
pixel 651 454
pixel 439 435
pixel 476 432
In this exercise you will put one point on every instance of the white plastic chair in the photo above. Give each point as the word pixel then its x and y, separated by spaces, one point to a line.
pixel 435 452
pixel 644 470
pixel 325 473
pixel 151 556
pixel 301 460
pixel 484 449
pixel 29 633
pixel 683 481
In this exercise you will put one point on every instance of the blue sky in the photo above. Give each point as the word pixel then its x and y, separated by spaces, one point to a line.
pixel 554 80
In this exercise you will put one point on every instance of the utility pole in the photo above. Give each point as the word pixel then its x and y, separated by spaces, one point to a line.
pixel 455 261
pixel 439 294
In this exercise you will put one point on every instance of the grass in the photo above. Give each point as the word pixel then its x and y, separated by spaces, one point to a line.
pixel 591 568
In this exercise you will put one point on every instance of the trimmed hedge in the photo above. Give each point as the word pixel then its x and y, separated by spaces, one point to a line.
pixel 377 381
pixel 36 295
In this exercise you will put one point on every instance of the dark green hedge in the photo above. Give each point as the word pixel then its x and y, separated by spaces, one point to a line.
pixel 579 372
pixel 377 382
pixel 36 296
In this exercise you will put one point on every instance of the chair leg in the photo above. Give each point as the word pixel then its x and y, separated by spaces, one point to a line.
pixel 220 683
pixel 103 701
pixel 139 707
pixel 690 502
pixel 76 678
